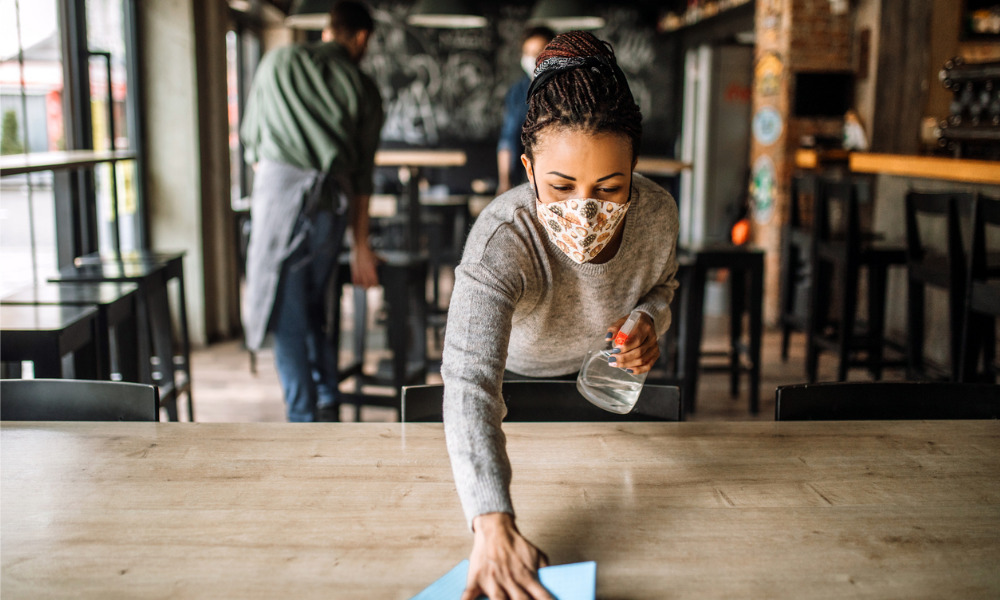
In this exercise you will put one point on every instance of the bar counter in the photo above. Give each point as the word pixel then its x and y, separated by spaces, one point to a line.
pixel 369 510
pixel 926 167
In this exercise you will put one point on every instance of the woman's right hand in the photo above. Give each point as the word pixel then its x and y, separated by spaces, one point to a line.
pixel 504 565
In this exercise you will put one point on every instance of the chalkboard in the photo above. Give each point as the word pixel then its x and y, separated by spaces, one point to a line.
pixel 445 88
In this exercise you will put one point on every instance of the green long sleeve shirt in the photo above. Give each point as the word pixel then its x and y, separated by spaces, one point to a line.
pixel 311 107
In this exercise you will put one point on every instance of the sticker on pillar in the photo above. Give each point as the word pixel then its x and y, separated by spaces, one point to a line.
pixel 762 188
pixel 767 126
pixel 767 76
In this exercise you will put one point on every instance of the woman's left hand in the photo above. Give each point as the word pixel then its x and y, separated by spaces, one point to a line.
pixel 640 351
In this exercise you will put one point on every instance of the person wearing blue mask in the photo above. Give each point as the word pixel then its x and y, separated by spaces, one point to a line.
pixel 509 147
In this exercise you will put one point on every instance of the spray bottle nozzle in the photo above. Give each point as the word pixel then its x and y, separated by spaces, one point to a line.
pixel 627 327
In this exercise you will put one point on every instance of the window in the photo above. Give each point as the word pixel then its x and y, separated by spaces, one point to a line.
pixel 242 55
pixel 65 71
pixel 31 105
pixel 110 111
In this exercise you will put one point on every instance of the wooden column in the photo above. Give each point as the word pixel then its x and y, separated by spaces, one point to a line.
pixel 792 36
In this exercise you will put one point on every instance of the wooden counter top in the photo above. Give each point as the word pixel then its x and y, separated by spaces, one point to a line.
pixel 19 164
pixel 927 167
pixel 369 510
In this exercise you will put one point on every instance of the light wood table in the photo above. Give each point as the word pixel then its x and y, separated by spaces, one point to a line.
pixel 668 510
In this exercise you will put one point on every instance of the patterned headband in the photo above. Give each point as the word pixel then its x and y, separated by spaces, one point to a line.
pixel 554 65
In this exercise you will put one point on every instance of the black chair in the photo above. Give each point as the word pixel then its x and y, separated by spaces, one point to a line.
pixel 77 400
pixel 842 249
pixel 796 250
pixel 886 400
pixel 982 307
pixel 944 269
pixel 548 401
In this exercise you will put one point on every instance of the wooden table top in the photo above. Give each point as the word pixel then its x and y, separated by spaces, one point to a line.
pixel 18 164
pixel 930 167
pixel 680 510
pixel 420 158
pixel 660 166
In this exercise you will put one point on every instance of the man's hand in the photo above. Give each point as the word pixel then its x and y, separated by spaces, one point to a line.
pixel 640 351
pixel 503 564
pixel 364 265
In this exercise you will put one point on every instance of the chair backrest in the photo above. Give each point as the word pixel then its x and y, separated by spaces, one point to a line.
pixel 848 401
pixel 548 401
pixel 835 212
pixel 77 400
pixel 954 207
pixel 985 213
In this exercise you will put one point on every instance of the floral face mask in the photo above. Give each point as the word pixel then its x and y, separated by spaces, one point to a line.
pixel 581 227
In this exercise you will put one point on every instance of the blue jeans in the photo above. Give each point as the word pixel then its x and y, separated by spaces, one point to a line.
pixel 307 366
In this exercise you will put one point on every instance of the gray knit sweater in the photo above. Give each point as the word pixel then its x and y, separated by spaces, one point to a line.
pixel 520 303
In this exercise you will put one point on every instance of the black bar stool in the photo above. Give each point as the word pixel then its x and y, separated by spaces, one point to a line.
pixel 796 250
pixel 123 347
pixel 403 277
pixel 927 266
pixel 746 279
pixel 152 272
pixel 841 249
pixel 44 334
pixel 982 300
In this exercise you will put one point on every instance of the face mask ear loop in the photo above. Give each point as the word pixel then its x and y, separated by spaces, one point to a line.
pixel 534 184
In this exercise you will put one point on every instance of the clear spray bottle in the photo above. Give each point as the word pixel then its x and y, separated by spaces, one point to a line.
pixel 612 388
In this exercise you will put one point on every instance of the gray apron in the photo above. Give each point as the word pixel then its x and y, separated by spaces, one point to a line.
pixel 282 194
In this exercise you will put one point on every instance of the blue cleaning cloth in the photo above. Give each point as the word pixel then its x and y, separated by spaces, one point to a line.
pixel 577 581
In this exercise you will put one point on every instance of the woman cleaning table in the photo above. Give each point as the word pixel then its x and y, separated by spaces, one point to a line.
pixel 549 268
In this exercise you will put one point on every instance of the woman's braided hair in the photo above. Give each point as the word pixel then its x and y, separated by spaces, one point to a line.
pixel 591 99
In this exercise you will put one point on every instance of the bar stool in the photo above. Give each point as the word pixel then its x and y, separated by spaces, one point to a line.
pixel 845 250
pixel 123 347
pixel 746 274
pixel 152 272
pixel 983 296
pixel 403 277
pixel 45 334
pixel 930 267
pixel 796 249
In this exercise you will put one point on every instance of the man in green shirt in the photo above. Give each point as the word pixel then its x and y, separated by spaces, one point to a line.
pixel 311 129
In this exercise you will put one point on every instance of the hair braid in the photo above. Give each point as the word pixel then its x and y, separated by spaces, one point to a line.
pixel 589 99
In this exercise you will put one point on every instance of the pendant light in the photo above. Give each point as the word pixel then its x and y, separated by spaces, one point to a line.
pixel 309 14
pixel 565 15
pixel 445 14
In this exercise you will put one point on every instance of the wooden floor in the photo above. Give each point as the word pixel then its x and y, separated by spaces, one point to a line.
pixel 226 391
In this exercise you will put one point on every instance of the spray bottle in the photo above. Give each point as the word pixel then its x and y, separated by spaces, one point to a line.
pixel 612 388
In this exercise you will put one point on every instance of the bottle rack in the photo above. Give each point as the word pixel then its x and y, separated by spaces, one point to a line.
pixel 972 128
